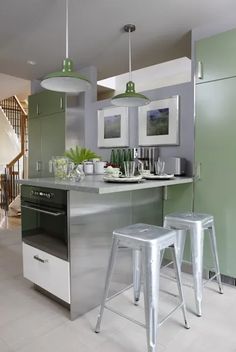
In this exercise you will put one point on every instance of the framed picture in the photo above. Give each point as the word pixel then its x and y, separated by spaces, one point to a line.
pixel 113 127
pixel 159 122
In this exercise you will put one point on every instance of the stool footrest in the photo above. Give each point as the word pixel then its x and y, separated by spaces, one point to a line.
pixel 210 279
pixel 138 322
pixel 125 316
pixel 169 315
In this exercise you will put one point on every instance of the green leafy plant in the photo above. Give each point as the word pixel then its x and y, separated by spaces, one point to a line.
pixel 79 154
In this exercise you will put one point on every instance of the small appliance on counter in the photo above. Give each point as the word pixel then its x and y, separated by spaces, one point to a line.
pixel 175 165
pixel 148 156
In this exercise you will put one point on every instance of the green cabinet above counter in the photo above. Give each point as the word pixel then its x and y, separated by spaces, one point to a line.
pixel 55 124
pixel 46 139
pixel 215 143
pixel 47 125
pixel 46 103
pixel 216 57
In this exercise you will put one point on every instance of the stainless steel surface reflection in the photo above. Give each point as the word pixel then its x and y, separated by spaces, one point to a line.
pixel 147 241
pixel 93 218
pixel 196 223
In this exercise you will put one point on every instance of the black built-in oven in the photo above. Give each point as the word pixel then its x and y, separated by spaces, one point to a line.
pixel 44 219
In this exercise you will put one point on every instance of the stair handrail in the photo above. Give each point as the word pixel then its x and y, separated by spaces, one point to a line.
pixel 9 179
pixel 22 134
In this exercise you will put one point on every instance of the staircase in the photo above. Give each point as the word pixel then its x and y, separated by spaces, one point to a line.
pixel 16 168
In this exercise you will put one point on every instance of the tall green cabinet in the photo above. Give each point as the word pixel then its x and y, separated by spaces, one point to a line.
pixel 215 143
pixel 46 130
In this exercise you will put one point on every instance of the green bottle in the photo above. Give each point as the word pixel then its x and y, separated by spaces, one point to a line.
pixel 125 155
pixel 130 155
pixel 113 158
pixel 119 158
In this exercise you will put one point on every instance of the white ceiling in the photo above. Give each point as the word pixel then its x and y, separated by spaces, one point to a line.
pixel 35 30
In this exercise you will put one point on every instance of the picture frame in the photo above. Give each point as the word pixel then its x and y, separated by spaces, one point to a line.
pixel 159 122
pixel 113 127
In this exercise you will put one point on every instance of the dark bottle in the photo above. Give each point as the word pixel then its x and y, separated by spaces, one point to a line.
pixel 113 158
pixel 125 155
pixel 119 158
pixel 130 155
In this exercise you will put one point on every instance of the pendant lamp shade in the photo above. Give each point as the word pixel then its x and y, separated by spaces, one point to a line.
pixel 67 80
pixel 130 98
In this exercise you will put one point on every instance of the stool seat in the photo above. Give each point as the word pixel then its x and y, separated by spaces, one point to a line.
pixel 189 218
pixel 144 235
pixel 196 224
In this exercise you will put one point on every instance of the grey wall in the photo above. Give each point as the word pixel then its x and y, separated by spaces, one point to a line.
pixel 82 128
pixel 184 149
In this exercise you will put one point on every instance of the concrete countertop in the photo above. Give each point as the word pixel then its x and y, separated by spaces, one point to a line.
pixel 95 184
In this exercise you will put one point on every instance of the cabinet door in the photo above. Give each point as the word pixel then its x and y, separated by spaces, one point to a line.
pixel 52 139
pixel 216 57
pixel 215 192
pixel 51 273
pixel 52 102
pixel 34 136
pixel 35 105
pixel 46 103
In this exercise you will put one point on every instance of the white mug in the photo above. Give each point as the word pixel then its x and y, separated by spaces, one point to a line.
pixel 99 167
pixel 88 168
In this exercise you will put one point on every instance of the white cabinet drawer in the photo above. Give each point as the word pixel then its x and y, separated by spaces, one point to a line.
pixel 47 271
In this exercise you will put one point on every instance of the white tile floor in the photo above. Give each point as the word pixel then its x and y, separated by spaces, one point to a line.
pixel 29 321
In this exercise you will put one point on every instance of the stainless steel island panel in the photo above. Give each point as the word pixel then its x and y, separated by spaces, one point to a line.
pixel 93 217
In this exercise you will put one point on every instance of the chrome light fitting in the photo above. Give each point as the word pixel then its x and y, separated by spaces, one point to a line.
pixel 66 80
pixel 130 98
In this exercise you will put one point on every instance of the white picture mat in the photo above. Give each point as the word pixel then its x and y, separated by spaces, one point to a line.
pixel 172 138
pixel 123 141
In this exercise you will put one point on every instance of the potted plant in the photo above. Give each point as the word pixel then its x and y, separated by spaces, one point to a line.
pixel 78 155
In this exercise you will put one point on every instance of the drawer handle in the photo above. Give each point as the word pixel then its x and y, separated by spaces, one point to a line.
pixel 61 103
pixel 199 70
pixel 53 213
pixel 36 257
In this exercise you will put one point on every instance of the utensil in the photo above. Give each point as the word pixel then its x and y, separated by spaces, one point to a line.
pixel 129 168
pixel 159 167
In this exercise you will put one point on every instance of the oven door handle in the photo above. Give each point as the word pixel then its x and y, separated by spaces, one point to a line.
pixel 53 213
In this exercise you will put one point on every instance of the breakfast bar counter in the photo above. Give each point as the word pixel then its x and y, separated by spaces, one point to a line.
pixel 67 233
pixel 95 184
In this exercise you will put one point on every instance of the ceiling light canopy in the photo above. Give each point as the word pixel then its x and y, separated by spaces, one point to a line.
pixel 130 98
pixel 66 80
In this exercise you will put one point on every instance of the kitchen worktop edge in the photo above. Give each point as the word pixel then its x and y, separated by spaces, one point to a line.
pixel 95 184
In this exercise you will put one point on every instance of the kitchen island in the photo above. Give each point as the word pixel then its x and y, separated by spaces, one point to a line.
pixel 76 233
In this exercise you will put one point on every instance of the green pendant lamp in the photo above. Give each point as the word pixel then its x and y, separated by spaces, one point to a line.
pixel 130 98
pixel 66 80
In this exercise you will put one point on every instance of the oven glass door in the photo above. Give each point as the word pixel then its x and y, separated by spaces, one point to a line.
pixel 45 227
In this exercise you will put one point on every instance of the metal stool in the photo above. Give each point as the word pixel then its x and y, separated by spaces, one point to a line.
pixel 196 224
pixel 147 242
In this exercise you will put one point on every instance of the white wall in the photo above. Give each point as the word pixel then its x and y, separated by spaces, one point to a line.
pixel 156 76
pixel 10 85
pixel 9 144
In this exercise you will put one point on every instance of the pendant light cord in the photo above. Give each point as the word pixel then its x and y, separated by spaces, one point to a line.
pixel 67 30
pixel 130 68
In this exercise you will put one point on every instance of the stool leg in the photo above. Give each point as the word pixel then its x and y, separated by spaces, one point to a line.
pixel 108 280
pixel 181 238
pixel 215 255
pixel 196 237
pixel 137 274
pixel 179 283
pixel 151 273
